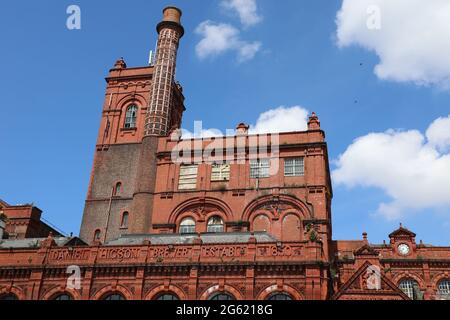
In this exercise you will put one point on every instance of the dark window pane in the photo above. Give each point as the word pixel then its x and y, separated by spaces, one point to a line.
pixel 222 297
pixel 280 297
pixel 9 297
pixel 168 297
pixel 114 297
pixel 63 297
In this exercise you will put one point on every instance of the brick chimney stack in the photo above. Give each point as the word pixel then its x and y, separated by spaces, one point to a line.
pixel 157 119
pixel 170 32
pixel 314 122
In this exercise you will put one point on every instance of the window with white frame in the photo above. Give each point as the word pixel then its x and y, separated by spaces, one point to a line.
pixel 259 168
pixel 130 117
pixel 220 172
pixel 444 288
pixel 409 287
pixel 188 178
pixel 294 167
pixel 187 226
pixel 215 225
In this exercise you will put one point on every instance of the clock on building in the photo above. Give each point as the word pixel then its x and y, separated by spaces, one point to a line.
pixel 404 249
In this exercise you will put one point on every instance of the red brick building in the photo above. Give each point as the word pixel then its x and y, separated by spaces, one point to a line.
pixel 238 217
pixel 23 221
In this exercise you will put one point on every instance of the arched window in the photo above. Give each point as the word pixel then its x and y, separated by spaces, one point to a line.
pixel 279 297
pixel 62 297
pixel 187 226
pixel 215 225
pixel 167 297
pixel 444 288
pixel 113 297
pixel 124 222
pixel 410 287
pixel 131 116
pixel 9 297
pixel 118 189
pixel 222 296
pixel 97 235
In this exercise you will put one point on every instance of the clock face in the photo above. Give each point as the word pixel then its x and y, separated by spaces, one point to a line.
pixel 403 249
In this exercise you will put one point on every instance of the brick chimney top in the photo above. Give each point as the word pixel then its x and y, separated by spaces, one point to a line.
pixel 173 14
pixel 171 18
pixel 314 122
pixel 120 64
pixel 242 128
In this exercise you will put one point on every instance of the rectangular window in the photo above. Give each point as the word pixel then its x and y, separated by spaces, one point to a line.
pixel 259 168
pixel 294 167
pixel 188 178
pixel 220 172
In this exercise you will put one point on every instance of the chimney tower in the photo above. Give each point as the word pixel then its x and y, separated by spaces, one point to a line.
pixel 170 32
pixel 157 120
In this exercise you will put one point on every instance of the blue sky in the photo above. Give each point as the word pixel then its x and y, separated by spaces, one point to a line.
pixel 53 88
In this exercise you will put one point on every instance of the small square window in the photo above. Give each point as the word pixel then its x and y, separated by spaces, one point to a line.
pixel 188 178
pixel 259 168
pixel 294 167
pixel 220 172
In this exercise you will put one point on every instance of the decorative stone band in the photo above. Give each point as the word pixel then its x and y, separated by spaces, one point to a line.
pixel 171 25
pixel 295 252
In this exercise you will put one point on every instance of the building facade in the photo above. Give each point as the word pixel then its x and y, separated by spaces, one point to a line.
pixel 236 217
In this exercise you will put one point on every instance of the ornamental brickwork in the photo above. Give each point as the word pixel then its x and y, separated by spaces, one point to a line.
pixel 220 224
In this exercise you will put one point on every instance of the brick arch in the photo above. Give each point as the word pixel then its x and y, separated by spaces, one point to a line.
pixel 49 294
pixel 111 290
pixel 218 289
pixel 165 289
pixel 265 294
pixel 297 206
pixel 407 275
pixel 192 207
pixel 438 278
pixel 128 100
pixel 13 290
pixel 137 99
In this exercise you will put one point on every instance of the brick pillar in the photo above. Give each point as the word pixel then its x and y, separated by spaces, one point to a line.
pixel 86 285
pixel 139 284
pixel 193 281
pixel 429 292
pixel 250 283
pixel 36 282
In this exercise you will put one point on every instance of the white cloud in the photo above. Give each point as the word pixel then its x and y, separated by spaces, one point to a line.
pixel 202 133
pixel 412 41
pixel 281 119
pixel 246 9
pixel 406 165
pixel 218 38
pixel 438 134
